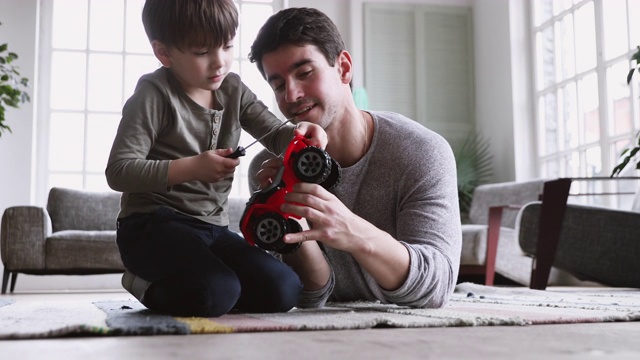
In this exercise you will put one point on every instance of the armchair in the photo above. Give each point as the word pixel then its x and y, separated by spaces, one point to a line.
pixel 74 235
pixel 491 224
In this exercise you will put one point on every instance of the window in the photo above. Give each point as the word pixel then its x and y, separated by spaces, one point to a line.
pixel 93 52
pixel 586 113
pixel 434 46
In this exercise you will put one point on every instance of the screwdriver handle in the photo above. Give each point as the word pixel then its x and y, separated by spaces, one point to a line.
pixel 240 151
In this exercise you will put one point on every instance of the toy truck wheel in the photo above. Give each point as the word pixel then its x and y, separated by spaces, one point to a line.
pixel 334 176
pixel 269 230
pixel 312 165
pixel 284 248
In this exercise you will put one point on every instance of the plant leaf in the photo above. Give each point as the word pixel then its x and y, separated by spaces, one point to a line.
pixel 636 55
pixel 473 166
pixel 630 75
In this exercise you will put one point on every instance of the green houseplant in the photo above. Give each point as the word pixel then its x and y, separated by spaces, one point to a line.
pixel 12 86
pixel 473 166
pixel 629 153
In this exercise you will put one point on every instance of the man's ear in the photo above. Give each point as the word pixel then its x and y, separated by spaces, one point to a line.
pixel 161 52
pixel 345 66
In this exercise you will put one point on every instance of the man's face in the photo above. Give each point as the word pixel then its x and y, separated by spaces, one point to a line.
pixel 305 86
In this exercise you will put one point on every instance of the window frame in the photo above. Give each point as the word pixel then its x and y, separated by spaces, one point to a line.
pixel 606 140
pixel 43 85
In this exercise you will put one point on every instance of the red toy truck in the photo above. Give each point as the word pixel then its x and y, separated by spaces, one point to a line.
pixel 262 223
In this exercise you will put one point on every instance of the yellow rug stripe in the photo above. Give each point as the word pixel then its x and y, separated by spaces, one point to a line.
pixel 199 325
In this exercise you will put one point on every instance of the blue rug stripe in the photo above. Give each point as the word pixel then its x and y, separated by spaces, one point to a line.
pixel 4 302
pixel 132 318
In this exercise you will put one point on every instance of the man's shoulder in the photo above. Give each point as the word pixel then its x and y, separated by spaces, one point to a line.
pixel 410 145
pixel 397 126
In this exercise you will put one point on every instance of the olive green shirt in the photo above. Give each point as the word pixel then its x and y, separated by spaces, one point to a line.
pixel 161 123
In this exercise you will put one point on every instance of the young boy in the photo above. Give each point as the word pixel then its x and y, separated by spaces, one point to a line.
pixel 169 159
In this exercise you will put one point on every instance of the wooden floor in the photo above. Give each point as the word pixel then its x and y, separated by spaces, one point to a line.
pixel 574 341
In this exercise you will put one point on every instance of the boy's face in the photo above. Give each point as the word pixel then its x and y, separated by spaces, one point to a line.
pixel 197 69
pixel 305 85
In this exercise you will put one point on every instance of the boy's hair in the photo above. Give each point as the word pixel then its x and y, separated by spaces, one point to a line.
pixel 184 24
pixel 298 26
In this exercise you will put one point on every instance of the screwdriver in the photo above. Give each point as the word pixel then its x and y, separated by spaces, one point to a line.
pixel 242 151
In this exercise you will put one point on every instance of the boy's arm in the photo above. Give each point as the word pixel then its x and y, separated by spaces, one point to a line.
pixel 129 168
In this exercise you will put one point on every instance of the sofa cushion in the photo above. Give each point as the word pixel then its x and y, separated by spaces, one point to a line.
pixel 83 251
pixel 83 210
pixel 500 194
pixel 235 208
pixel 474 243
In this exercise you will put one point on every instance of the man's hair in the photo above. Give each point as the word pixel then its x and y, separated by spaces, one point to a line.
pixel 185 24
pixel 298 26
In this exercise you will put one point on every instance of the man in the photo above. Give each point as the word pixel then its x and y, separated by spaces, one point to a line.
pixel 390 231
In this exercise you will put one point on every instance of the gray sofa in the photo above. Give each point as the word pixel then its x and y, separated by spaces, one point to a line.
pixel 75 235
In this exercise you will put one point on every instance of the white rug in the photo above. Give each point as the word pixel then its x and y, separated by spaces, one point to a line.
pixel 470 305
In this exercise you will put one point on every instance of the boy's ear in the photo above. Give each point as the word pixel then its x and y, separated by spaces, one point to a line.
pixel 161 52
pixel 345 66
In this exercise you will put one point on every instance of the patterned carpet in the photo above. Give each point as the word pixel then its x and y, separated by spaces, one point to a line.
pixel 470 305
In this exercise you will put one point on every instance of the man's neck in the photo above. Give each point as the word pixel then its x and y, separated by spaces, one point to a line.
pixel 349 138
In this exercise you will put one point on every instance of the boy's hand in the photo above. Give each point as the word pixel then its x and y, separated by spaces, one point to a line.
pixel 216 166
pixel 315 133
pixel 210 166
pixel 268 171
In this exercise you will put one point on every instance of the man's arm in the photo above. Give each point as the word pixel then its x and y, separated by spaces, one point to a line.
pixel 382 256
pixel 310 265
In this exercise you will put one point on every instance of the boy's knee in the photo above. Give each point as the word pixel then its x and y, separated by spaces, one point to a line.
pixel 282 295
pixel 204 297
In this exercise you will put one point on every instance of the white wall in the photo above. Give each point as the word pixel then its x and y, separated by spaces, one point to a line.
pixel 503 101
pixel 494 109
pixel 501 96
pixel 19 31
pixel 525 144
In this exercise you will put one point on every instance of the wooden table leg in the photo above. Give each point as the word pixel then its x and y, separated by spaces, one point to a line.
pixel 554 204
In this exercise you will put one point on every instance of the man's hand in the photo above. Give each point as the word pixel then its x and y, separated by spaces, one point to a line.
pixel 333 224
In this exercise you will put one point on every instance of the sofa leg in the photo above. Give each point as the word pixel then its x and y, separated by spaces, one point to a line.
pixel 554 204
pixel 493 234
pixel 5 280
pixel 14 277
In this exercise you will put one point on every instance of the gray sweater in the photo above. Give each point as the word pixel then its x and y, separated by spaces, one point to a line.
pixel 405 185
pixel 161 123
